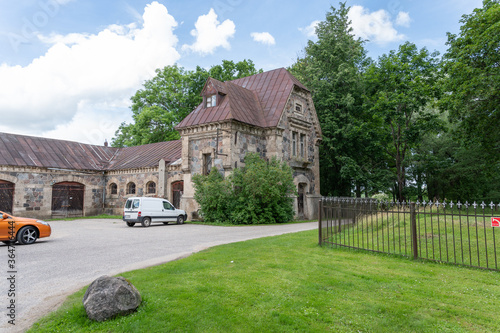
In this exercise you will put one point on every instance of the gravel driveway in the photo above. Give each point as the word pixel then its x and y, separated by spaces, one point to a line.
pixel 82 250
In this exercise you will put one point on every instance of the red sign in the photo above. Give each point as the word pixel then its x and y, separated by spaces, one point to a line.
pixel 495 221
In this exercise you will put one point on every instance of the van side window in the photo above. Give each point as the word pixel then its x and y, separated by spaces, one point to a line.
pixel 166 205
pixel 136 203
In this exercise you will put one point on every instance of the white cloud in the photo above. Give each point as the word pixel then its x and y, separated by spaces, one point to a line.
pixel 99 121
pixel 310 30
pixel 211 34
pixel 403 19
pixel 376 26
pixel 85 70
pixel 263 37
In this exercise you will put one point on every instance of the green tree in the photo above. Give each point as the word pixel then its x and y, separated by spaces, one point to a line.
pixel 258 193
pixel 168 98
pixel 401 85
pixel 472 85
pixel 443 168
pixel 332 67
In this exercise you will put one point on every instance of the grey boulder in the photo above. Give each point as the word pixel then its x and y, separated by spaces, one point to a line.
pixel 108 296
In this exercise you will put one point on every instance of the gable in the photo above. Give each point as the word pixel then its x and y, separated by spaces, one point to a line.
pixel 300 113
pixel 213 86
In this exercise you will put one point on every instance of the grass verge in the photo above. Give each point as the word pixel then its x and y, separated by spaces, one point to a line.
pixel 228 224
pixel 290 284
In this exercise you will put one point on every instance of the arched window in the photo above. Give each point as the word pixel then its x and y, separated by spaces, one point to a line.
pixel 113 188
pixel 131 188
pixel 151 188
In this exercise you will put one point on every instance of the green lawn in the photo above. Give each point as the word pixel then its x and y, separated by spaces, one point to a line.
pixel 467 240
pixel 290 284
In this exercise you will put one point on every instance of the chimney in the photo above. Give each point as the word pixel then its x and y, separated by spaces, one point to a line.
pixel 105 142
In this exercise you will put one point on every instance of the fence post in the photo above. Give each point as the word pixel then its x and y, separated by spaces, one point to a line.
pixel 320 216
pixel 413 226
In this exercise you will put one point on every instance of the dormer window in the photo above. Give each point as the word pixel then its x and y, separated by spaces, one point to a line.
pixel 211 101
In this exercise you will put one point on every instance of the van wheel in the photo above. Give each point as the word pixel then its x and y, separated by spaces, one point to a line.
pixel 146 222
pixel 180 219
pixel 130 224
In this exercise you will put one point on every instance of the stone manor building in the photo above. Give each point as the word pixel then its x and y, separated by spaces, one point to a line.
pixel 270 113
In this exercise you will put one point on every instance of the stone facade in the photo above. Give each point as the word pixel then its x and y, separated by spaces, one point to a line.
pixel 141 178
pixel 228 142
pixel 33 190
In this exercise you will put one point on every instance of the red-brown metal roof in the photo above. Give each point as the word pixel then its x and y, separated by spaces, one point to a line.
pixel 22 150
pixel 146 155
pixel 257 100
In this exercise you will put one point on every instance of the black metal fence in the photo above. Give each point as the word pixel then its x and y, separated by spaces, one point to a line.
pixel 464 234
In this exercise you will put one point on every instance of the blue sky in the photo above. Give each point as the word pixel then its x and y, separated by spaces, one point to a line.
pixel 69 67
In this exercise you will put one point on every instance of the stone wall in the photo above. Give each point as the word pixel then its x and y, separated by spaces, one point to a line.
pixel 114 203
pixel 33 190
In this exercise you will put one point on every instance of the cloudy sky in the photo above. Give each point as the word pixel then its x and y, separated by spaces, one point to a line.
pixel 69 67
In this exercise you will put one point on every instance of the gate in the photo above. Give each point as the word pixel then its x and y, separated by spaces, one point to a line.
pixel 6 196
pixel 177 190
pixel 67 199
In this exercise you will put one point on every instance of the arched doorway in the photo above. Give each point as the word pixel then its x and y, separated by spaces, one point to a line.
pixel 6 196
pixel 67 199
pixel 300 199
pixel 177 190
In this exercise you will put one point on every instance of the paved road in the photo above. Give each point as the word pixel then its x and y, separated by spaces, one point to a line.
pixel 80 251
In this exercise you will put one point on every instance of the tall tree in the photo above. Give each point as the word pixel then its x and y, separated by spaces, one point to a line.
pixel 472 85
pixel 332 68
pixel 401 85
pixel 443 168
pixel 169 97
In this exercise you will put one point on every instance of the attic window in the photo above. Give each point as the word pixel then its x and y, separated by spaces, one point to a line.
pixel 211 101
pixel 298 107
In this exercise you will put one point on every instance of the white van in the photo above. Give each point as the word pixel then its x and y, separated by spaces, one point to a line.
pixel 148 210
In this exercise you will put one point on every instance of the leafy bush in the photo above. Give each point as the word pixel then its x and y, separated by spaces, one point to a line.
pixel 213 193
pixel 261 192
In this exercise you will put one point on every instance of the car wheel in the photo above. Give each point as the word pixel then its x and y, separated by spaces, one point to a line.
pixel 130 224
pixel 180 219
pixel 27 235
pixel 146 222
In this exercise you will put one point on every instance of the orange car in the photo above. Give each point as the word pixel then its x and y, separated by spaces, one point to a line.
pixel 21 229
